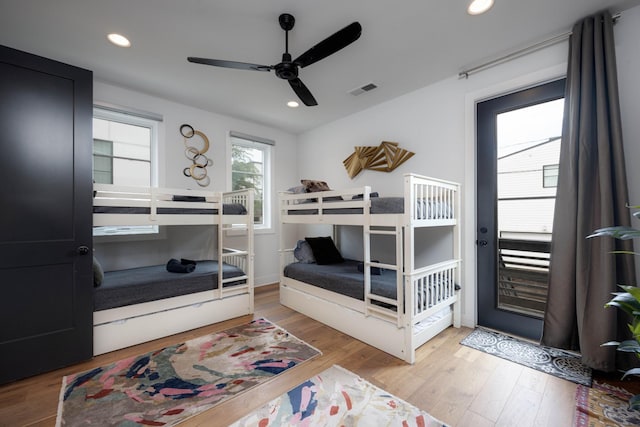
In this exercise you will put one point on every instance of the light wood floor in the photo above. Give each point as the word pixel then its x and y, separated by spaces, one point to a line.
pixel 456 384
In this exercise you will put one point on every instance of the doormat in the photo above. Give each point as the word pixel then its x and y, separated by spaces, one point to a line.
pixel 604 405
pixel 167 386
pixel 337 397
pixel 559 363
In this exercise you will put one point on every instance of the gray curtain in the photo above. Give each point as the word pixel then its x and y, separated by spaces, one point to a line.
pixel 591 194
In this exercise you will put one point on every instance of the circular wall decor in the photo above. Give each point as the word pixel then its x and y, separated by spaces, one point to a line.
pixel 195 149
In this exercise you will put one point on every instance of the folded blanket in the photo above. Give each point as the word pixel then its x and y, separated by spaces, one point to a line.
pixel 175 266
pixel 178 198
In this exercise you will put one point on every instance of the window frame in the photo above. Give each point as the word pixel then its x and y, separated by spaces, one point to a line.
pixel 152 122
pixel 545 169
pixel 267 147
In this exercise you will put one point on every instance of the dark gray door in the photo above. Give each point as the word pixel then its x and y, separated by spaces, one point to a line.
pixel 46 287
pixel 513 259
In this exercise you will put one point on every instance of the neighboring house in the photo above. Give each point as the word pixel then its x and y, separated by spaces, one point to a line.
pixel 527 181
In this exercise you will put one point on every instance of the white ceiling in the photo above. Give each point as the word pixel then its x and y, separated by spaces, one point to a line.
pixel 405 45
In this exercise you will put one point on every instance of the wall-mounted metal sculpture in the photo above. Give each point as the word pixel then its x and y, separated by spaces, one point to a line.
pixel 384 158
pixel 200 162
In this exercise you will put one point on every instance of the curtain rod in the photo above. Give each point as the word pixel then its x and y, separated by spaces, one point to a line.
pixel 522 52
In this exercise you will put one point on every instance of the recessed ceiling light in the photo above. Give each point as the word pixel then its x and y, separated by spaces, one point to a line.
pixel 119 40
pixel 293 104
pixel 476 7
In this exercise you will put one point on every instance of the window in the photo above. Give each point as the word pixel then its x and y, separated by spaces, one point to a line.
pixel 251 168
pixel 124 146
pixel 550 176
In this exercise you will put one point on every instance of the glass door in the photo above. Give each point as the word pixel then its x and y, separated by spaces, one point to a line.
pixel 518 146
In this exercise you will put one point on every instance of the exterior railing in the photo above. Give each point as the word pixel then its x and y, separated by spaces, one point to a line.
pixel 523 274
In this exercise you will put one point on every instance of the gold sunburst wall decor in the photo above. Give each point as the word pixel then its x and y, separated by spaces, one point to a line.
pixel 384 158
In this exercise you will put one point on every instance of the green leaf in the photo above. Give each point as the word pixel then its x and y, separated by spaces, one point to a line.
pixel 618 232
pixel 635 328
pixel 624 301
pixel 610 343
pixel 629 346
pixel 634 291
pixel 634 371
pixel 634 402
pixel 625 253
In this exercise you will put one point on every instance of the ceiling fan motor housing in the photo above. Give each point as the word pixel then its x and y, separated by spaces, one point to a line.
pixel 286 70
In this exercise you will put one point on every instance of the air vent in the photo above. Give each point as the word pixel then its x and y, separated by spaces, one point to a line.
pixel 360 90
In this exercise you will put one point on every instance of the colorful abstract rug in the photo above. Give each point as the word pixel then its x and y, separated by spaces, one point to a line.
pixel 337 397
pixel 164 387
pixel 604 405
pixel 559 363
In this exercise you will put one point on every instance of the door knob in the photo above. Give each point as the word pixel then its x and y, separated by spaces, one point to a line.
pixel 82 250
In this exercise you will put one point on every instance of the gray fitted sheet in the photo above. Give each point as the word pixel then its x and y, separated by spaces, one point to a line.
pixel 136 285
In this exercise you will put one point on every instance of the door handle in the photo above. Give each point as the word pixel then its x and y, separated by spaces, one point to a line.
pixel 482 243
pixel 82 250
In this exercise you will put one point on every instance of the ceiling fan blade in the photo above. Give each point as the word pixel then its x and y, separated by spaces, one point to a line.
pixel 303 93
pixel 330 45
pixel 229 64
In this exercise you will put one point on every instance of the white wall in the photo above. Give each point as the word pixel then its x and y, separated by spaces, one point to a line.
pixel 627 34
pixel 195 242
pixel 437 123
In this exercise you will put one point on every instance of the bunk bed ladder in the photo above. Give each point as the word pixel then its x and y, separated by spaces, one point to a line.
pixel 239 258
pixel 370 298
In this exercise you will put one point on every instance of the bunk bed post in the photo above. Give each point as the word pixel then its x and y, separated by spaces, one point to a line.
pixel 221 232
pixel 457 247
pixel 251 252
pixel 281 239
pixel 366 241
pixel 153 205
pixel 408 258
pixel 404 292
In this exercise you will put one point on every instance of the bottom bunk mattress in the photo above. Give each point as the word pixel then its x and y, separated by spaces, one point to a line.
pixel 343 278
pixel 137 285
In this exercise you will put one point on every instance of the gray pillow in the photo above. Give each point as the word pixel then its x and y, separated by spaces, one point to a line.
pixel 297 190
pixel 303 252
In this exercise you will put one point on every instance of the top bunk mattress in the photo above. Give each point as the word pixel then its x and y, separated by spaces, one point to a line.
pixel 227 209
pixel 137 285
pixel 425 209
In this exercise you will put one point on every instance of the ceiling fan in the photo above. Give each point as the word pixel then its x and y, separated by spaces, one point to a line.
pixel 288 69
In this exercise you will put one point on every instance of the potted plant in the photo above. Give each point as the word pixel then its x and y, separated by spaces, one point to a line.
pixel 628 301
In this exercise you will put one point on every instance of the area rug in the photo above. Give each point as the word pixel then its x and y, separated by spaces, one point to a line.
pixel 167 386
pixel 559 363
pixel 337 397
pixel 604 405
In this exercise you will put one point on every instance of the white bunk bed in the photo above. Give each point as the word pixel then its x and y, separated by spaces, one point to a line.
pixel 226 297
pixel 427 298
